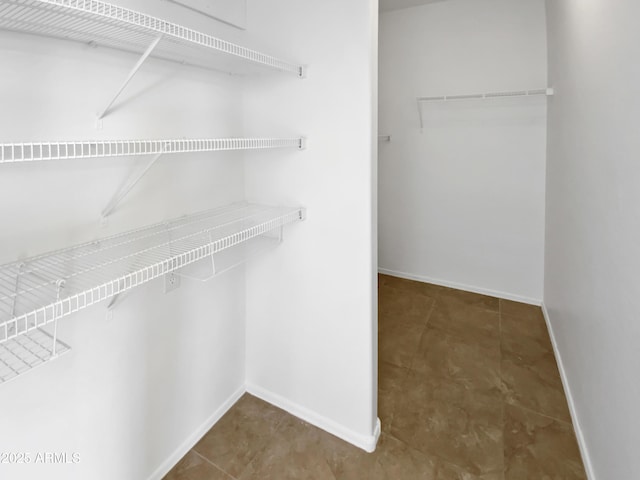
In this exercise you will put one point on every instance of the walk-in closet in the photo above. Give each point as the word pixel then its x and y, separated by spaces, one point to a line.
pixel 320 239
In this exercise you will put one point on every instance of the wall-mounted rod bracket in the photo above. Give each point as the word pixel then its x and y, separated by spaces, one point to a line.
pixel 386 138
pixel 132 73
pixel 128 186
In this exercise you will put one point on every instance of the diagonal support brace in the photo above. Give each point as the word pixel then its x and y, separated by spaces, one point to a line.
pixel 127 187
pixel 132 73
pixel 420 115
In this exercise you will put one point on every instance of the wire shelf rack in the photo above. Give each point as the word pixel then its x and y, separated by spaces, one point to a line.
pixel 27 152
pixel 104 24
pixel 40 290
pixel 221 262
pixel 21 354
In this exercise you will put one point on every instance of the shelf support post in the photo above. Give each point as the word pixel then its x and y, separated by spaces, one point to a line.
pixel 17 288
pixel 132 73
pixel 128 186
pixel 59 287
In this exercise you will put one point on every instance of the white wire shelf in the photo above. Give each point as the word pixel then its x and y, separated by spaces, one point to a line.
pixel 27 152
pixel 206 269
pixel 104 24
pixel 40 290
pixel 21 354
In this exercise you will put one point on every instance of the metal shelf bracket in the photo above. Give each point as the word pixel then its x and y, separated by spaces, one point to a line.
pixel 128 186
pixel 132 73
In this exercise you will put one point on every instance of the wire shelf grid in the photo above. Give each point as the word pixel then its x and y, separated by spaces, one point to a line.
pixel 100 23
pixel 37 151
pixel 28 351
pixel 38 291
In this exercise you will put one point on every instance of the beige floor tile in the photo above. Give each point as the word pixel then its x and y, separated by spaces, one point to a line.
pixel 392 460
pixel 468 323
pixel 409 286
pixel 447 471
pixel 449 358
pixel 523 310
pixel 535 385
pixel 233 442
pixel 471 299
pixel 399 343
pixel 390 383
pixel 297 451
pixel 445 419
pixel 396 306
pixel 526 339
pixel 194 467
pixel 538 447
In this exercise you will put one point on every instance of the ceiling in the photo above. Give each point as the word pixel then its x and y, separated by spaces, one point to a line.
pixel 388 5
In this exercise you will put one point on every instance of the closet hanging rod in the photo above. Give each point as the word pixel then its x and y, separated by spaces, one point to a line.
pixel 37 151
pixel 481 96
pixel 514 93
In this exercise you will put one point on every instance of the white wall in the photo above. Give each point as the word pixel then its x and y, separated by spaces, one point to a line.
pixel 311 319
pixel 462 204
pixel 592 292
pixel 136 391
pixel 133 389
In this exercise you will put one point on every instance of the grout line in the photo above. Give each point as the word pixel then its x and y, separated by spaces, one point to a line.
pixel 424 332
pixel 517 405
pixel 433 307
pixel 530 410
pixel 212 463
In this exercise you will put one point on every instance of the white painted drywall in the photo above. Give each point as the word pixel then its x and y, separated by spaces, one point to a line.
pixel 134 388
pixel 310 307
pixel 462 204
pixel 592 292
pixel 388 5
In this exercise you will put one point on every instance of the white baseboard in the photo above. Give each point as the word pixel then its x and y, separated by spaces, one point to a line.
pixel 365 442
pixel 586 459
pixel 461 286
pixel 190 442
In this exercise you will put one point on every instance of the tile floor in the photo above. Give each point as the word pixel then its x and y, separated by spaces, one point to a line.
pixel 468 390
